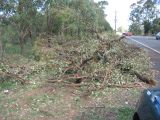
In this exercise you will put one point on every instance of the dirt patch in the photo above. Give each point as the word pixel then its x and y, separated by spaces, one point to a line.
pixel 39 90
pixel 23 100
pixel 65 103
pixel 1 117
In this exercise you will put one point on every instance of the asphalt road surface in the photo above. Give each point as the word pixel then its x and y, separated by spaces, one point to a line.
pixel 153 47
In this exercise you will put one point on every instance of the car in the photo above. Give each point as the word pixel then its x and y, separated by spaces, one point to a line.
pixel 127 34
pixel 148 106
pixel 124 34
pixel 158 36
pixel 130 33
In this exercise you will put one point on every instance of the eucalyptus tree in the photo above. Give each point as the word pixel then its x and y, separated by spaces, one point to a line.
pixel 28 18
pixel 21 14
pixel 89 16
pixel 156 25
pixel 143 13
pixel 136 28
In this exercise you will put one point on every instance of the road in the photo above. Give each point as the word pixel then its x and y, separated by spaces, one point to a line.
pixel 153 47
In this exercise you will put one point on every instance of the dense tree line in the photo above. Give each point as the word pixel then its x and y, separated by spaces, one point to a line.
pixel 23 20
pixel 144 17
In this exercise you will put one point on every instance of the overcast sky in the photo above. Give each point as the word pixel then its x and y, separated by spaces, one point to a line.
pixel 123 9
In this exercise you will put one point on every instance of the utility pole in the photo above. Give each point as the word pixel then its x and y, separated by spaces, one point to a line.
pixel 115 21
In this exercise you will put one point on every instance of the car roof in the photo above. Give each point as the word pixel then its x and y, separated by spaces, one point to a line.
pixel 158 33
pixel 155 90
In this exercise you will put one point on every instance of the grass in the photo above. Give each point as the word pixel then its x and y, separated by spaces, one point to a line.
pixel 50 102
pixel 11 49
pixel 6 85
pixel 104 113
pixel 125 113
pixel 112 104
pixel 37 100
pixel 54 102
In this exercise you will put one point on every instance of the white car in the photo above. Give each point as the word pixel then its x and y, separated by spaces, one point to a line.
pixel 158 36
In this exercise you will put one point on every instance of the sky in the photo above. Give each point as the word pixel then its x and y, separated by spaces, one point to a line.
pixel 122 7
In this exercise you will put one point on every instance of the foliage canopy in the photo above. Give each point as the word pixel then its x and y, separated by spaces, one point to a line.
pixel 143 16
pixel 29 18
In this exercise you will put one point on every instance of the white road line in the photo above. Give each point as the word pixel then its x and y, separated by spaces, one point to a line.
pixel 144 45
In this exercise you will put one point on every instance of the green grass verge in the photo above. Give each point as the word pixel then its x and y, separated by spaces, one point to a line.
pixel 125 113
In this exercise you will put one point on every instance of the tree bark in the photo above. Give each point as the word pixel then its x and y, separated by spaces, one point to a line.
pixel 22 35
pixel 1 51
pixel 21 44
pixel 49 27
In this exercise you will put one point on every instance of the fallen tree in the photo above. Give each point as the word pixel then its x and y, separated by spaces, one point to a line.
pixel 99 63
pixel 96 63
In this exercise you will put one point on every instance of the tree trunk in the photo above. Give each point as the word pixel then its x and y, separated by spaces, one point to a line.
pixel 1 52
pixel 79 32
pixel 49 42
pixel 62 31
pixel 30 35
pixel 1 48
pixel 71 32
pixel 21 42
pixel 49 27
